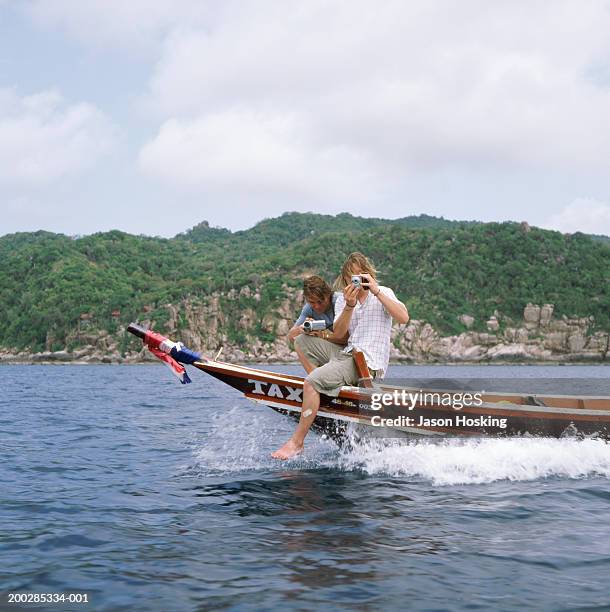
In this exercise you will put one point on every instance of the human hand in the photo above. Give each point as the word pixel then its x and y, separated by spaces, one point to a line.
pixel 350 293
pixel 368 282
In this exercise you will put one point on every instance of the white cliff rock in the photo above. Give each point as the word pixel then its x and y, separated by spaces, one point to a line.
pixel 546 314
pixel 576 342
pixel 466 320
pixel 492 324
pixel 206 323
pixel 531 316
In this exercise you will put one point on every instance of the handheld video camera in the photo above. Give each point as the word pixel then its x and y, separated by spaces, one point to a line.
pixel 310 326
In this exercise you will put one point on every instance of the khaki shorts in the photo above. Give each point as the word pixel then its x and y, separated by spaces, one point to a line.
pixel 335 368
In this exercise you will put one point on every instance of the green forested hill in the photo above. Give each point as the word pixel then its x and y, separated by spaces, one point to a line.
pixel 440 268
pixel 289 227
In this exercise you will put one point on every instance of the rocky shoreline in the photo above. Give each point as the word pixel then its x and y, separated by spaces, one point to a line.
pixel 110 362
pixel 538 338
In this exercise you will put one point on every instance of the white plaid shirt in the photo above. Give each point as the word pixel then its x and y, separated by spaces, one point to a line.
pixel 369 330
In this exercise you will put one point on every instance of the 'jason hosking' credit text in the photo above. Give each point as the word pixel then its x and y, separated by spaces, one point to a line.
pixel 421 399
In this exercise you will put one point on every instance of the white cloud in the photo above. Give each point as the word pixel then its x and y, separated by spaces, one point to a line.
pixel 137 26
pixel 348 101
pixel 418 84
pixel 410 87
pixel 253 153
pixel 582 215
pixel 42 138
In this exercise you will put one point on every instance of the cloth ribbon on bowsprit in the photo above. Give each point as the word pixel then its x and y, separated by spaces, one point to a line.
pixel 170 353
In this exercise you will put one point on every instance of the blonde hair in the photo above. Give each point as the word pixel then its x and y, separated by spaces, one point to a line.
pixel 354 260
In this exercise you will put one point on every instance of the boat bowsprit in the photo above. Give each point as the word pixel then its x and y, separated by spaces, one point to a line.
pixel 397 411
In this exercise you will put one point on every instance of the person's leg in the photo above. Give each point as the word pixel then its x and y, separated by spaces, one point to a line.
pixel 309 367
pixel 314 352
pixel 311 403
pixel 327 379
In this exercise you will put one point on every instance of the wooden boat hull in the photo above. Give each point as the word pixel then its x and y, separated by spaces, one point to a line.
pixel 498 415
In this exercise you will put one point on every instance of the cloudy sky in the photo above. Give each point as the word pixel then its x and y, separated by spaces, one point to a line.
pixel 152 115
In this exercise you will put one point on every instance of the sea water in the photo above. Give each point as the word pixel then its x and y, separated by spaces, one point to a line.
pixel 119 483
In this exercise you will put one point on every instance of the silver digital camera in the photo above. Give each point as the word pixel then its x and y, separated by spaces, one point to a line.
pixel 310 326
pixel 357 281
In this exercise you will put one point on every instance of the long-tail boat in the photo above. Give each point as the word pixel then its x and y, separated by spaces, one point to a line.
pixel 381 408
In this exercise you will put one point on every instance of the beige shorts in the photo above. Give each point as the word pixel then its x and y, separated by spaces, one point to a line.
pixel 334 368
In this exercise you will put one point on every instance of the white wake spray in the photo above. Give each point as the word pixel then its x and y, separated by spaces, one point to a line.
pixel 455 461
pixel 241 440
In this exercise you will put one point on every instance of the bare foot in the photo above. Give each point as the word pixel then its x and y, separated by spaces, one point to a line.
pixel 290 449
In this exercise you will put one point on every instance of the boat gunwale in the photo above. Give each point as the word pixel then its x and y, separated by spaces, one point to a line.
pixel 360 393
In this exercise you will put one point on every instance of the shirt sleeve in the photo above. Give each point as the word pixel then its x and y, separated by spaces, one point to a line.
pixel 304 314
pixel 387 291
pixel 339 305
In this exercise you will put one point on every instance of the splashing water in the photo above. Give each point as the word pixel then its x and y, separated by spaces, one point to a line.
pixel 243 441
pixel 455 461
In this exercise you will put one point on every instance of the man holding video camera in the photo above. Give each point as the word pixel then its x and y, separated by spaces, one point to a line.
pixel 363 319
pixel 317 317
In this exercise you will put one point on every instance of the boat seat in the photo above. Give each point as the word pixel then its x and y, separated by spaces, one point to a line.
pixel 364 375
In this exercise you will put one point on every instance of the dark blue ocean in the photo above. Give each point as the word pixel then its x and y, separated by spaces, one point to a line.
pixel 120 483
